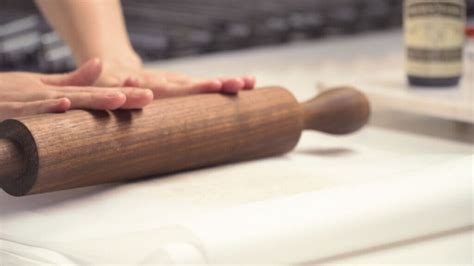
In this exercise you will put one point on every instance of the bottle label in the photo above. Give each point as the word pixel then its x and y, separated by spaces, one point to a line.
pixel 434 37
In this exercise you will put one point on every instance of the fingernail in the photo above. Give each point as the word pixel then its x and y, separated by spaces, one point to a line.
pixel 241 81
pixel 217 83
pixel 95 60
pixel 149 93
pixel 60 105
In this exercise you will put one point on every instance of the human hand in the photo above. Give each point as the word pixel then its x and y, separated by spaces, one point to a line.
pixel 166 84
pixel 23 93
pixel 103 35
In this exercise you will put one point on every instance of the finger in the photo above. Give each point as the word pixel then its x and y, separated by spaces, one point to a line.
pixel 232 85
pixel 17 109
pixel 165 84
pixel 250 82
pixel 86 75
pixel 135 97
pixel 131 82
pixel 203 86
pixel 171 89
pixel 27 96
pixel 96 101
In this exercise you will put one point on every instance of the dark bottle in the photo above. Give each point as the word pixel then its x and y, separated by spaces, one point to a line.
pixel 434 39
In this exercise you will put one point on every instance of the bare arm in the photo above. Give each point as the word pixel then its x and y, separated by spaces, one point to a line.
pixel 96 29
pixel 83 25
pixel 92 28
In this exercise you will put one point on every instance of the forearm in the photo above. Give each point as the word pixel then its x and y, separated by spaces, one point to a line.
pixel 92 28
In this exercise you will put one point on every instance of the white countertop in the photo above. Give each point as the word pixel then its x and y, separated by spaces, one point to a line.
pixel 168 219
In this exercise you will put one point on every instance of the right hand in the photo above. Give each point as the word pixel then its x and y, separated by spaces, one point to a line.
pixel 128 70
pixel 24 93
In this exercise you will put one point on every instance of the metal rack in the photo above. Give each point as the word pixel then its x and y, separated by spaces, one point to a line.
pixel 173 28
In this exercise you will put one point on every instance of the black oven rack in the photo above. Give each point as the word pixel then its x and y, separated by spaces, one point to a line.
pixel 174 28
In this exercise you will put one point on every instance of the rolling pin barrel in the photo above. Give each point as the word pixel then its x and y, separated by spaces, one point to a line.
pixel 80 148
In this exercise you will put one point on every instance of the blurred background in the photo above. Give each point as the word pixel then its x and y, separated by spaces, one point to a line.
pixel 175 28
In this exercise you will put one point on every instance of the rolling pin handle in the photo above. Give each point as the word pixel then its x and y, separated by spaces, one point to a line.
pixel 337 111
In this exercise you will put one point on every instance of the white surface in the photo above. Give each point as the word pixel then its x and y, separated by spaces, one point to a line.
pixel 316 226
pixel 105 225
pixel 453 249
pixel 374 65
pixel 162 219
pixel 387 86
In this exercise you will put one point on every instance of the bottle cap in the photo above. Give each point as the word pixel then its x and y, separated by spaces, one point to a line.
pixel 469 31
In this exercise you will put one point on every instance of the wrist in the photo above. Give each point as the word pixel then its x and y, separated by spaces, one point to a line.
pixel 129 59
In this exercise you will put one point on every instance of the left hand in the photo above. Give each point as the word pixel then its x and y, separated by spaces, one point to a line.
pixel 24 93
pixel 131 73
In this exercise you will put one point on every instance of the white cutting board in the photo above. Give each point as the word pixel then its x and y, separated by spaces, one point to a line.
pixel 384 81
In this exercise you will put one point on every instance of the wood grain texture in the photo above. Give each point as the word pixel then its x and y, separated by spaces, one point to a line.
pixel 337 111
pixel 82 148
pixel 11 160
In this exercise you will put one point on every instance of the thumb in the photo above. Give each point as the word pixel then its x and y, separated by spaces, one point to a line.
pixel 86 75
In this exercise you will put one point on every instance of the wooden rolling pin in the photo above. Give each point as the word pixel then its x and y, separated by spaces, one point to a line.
pixel 81 148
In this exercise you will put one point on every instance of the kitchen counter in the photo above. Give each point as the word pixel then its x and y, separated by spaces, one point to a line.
pixel 398 191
